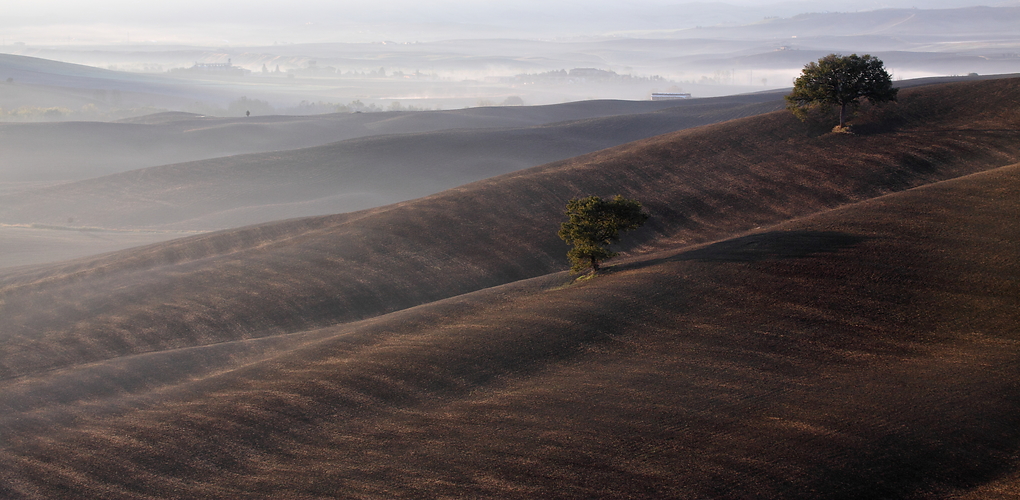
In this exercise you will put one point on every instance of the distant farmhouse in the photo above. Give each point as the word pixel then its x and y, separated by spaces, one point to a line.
pixel 669 96
pixel 226 69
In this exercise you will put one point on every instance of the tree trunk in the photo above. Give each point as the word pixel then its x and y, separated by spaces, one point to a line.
pixel 594 265
pixel 842 112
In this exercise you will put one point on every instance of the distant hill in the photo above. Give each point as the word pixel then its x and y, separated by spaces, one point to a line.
pixel 860 349
pixel 42 82
pixel 699 184
pixel 39 71
pixel 354 174
pixel 69 151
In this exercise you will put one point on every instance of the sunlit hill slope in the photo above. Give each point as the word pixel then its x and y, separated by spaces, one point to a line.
pixel 806 315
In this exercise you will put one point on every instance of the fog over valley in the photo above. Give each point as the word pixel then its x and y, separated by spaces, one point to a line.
pixel 315 57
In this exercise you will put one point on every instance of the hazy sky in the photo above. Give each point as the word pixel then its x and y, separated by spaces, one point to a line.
pixel 47 11
pixel 263 21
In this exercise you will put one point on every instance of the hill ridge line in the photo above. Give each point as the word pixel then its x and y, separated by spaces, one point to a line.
pixel 631 262
pixel 342 176
pixel 725 179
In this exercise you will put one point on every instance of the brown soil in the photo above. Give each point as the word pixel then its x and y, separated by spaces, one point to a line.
pixel 785 328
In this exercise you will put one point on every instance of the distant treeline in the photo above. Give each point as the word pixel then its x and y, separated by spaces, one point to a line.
pixel 579 75
pixel 312 69
pixel 239 107
pixel 355 106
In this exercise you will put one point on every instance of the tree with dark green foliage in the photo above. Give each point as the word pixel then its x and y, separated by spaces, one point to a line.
pixel 594 224
pixel 841 81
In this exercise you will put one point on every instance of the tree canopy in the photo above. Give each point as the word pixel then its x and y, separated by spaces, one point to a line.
pixel 841 81
pixel 594 224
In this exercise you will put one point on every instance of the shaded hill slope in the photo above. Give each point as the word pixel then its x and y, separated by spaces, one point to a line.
pixel 46 83
pixel 699 185
pixel 81 150
pixel 341 177
pixel 40 71
pixel 865 352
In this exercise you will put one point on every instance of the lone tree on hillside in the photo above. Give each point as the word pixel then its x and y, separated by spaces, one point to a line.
pixel 842 81
pixel 593 224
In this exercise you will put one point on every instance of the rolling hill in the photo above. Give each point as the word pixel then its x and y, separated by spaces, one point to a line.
pixel 861 352
pixel 807 315
pixel 699 184
pixel 69 151
pixel 35 81
pixel 353 174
